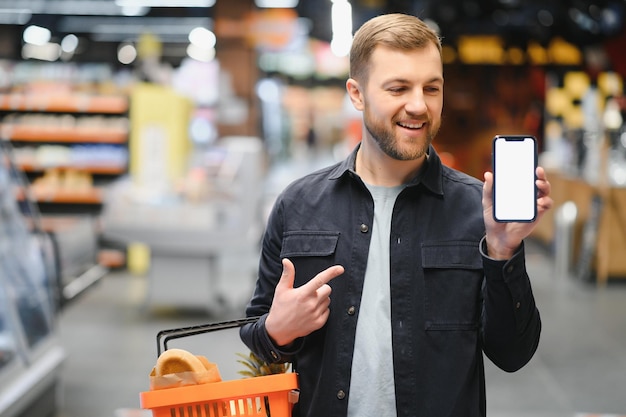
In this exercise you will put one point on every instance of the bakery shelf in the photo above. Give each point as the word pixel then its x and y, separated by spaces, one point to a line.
pixel 55 126
pixel 64 196
pixel 90 196
pixel 92 169
pixel 75 103
pixel 68 142
pixel 65 135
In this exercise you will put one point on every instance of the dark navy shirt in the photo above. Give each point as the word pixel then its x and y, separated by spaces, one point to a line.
pixel 450 303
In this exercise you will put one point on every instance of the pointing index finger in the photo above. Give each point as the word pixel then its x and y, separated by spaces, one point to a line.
pixel 324 277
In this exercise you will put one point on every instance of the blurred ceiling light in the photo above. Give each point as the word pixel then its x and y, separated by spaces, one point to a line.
pixel 126 53
pixel 200 54
pixel 269 90
pixel 340 46
pixel 69 44
pixel 266 4
pixel 545 18
pixel 341 15
pixel 611 20
pixel 202 130
pixel 612 117
pixel 202 37
pixel 36 35
pixel 583 20
pixel 47 52
pixel 201 44
pixel 165 3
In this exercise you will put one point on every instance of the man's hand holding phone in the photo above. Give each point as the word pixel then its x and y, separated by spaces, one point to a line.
pixel 515 195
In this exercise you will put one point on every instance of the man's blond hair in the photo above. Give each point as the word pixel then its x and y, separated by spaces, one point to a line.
pixel 395 31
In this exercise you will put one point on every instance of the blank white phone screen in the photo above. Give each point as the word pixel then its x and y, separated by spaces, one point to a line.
pixel 514 179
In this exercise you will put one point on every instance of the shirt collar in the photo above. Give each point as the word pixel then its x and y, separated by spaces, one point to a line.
pixel 431 177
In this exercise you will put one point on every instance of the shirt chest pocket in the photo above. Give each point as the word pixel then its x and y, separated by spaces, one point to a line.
pixel 310 251
pixel 453 277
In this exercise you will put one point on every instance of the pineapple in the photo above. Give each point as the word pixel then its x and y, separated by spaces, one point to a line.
pixel 255 366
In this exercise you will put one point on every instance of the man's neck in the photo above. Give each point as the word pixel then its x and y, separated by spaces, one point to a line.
pixel 377 168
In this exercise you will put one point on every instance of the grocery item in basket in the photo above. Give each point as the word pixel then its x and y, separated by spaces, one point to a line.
pixel 178 367
pixel 178 360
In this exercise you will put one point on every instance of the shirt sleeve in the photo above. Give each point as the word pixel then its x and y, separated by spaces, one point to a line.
pixel 258 341
pixel 511 323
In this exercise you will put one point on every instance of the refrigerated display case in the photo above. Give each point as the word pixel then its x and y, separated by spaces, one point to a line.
pixel 30 353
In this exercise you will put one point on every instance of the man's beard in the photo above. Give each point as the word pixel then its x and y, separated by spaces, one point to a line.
pixel 387 142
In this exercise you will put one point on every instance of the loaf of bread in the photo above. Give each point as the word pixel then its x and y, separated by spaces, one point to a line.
pixel 173 361
pixel 179 367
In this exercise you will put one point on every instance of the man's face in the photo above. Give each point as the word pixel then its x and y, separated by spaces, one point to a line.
pixel 402 100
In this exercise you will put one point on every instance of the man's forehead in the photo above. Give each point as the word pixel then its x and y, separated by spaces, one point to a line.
pixel 394 63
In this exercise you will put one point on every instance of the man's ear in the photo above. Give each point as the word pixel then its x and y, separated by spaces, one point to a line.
pixel 354 91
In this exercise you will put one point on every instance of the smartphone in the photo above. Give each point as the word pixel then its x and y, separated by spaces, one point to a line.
pixel 514 188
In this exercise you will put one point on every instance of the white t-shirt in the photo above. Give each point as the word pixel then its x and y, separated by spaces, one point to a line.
pixel 372 391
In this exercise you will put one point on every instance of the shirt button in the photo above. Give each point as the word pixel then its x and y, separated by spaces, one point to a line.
pixel 518 305
pixel 351 310
pixel 509 269
pixel 341 394
pixel 364 228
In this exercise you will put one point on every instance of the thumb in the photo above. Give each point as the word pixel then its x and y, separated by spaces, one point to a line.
pixel 488 183
pixel 487 186
pixel 288 276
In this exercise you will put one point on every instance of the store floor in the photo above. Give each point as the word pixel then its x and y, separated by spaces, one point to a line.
pixel 109 335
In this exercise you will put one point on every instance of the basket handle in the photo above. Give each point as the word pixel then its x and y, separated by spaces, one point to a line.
pixel 164 336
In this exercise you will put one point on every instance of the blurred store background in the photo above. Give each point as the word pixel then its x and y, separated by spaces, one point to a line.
pixel 149 138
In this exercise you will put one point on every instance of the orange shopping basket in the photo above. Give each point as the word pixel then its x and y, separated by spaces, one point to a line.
pixel 266 396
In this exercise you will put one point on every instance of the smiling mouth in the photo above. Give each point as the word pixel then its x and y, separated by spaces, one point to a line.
pixel 411 125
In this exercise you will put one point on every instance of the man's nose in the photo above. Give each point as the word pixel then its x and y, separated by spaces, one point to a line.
pixel 416 103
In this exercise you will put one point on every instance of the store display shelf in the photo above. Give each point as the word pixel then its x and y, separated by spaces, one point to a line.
pixel 28 304
pixel 92 169
pixel 64 104
pixel 64 196
pixel 65 135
